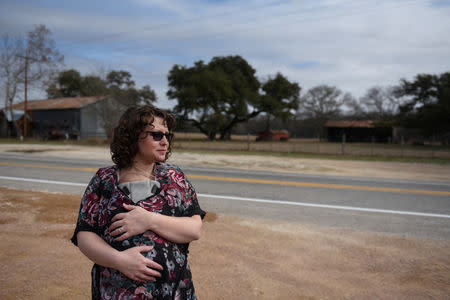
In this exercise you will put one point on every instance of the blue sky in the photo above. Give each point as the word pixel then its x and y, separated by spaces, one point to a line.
pixel 353 45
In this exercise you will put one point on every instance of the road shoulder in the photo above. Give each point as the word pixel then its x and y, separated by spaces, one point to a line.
pixel 265 163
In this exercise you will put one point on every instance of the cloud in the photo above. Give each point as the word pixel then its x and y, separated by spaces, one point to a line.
pixel 351 44
pixel 440 3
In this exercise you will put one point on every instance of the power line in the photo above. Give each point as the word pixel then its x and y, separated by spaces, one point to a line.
pixel 25 119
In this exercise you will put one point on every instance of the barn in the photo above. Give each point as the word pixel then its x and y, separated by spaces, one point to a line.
pixel 62 118
pixel 357 131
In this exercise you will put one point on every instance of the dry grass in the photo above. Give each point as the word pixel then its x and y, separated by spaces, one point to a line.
pixel 235 258
pixel 198 141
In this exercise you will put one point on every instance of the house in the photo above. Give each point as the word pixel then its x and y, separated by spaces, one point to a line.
pixel 357 131
pixel 273 135
pixel 63 117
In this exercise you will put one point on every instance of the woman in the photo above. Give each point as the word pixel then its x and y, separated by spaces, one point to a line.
pixel 137 217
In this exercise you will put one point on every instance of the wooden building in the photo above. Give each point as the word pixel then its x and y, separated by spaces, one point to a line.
pixel 364 131
pixel 63 117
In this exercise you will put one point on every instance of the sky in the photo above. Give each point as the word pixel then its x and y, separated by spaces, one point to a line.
pixel 353 45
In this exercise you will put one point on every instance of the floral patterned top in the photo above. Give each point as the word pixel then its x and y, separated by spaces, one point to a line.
pixel 103 199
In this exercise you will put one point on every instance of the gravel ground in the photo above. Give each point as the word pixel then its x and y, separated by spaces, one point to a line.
pixel 234 259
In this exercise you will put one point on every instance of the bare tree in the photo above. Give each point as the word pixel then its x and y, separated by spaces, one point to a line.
pixel 11 71
pixel 321 103
pixel 379 102
pixel 44 58
pixel 353 107
pixel 27 61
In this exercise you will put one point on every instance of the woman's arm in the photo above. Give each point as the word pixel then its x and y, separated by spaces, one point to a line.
pixel 130 262
pixel 139 220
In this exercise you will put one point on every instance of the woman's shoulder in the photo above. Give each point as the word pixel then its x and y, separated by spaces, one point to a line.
pixel 169 168
pixel 106 172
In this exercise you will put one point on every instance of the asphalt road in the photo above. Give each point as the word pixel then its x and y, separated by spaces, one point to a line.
pixel 398 207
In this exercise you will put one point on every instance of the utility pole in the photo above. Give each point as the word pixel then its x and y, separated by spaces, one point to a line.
pixel 25 119
pixel 25 109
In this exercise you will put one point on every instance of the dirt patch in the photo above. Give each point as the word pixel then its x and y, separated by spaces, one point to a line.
pixel 210 217
pixel 285 261
pixel 235 257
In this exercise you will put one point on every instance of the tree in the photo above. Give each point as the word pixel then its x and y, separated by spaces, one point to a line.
pixel 120 86
pixel 119 79
pixel 29 61
pixel 354 108
pixel 93 85
pixel 68 84
pixel 215 97
pixel 321 103
pixel 426 103
pixel 11 70
pixel 42 56
pixel 121 94
pixel 117 87
pixel 281 98
pixel 380 103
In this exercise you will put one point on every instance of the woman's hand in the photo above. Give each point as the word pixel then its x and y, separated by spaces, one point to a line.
pixel 137 220
pixel 136 266
pixel 130 262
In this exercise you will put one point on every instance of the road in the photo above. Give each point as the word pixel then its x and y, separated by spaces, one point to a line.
pixel 398 207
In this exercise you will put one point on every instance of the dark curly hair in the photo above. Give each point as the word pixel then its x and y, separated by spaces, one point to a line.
pixel 124 145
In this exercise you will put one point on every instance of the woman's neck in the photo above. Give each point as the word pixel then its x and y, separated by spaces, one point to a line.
pixel 145 169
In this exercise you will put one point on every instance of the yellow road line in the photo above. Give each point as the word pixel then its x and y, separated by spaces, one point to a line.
pixel 46 167
pixel 264 181
pixel 323 185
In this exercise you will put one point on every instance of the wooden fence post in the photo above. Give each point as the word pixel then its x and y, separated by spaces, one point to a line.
pixel 402 142
pixel 372 145
pixel 343 144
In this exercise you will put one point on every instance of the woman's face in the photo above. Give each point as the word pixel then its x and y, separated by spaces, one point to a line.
pixel 151 151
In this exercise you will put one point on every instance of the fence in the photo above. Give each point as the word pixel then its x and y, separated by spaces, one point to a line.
pixel 244 143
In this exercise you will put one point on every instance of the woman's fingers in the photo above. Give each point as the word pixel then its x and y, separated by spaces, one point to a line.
pixel 123 235
pixel 136 266
pixel 115 225
pixel 133 222
pixel 118 217
pixel 153 265
pixel 117 228
pixel 149 263
pixel 128 206
pixel 151 272
pixel 145 278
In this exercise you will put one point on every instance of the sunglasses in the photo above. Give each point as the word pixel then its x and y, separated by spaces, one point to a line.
pixel 158 135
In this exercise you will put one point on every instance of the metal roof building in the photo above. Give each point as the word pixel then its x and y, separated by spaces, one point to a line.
pixel 357 131
pixel 64 117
